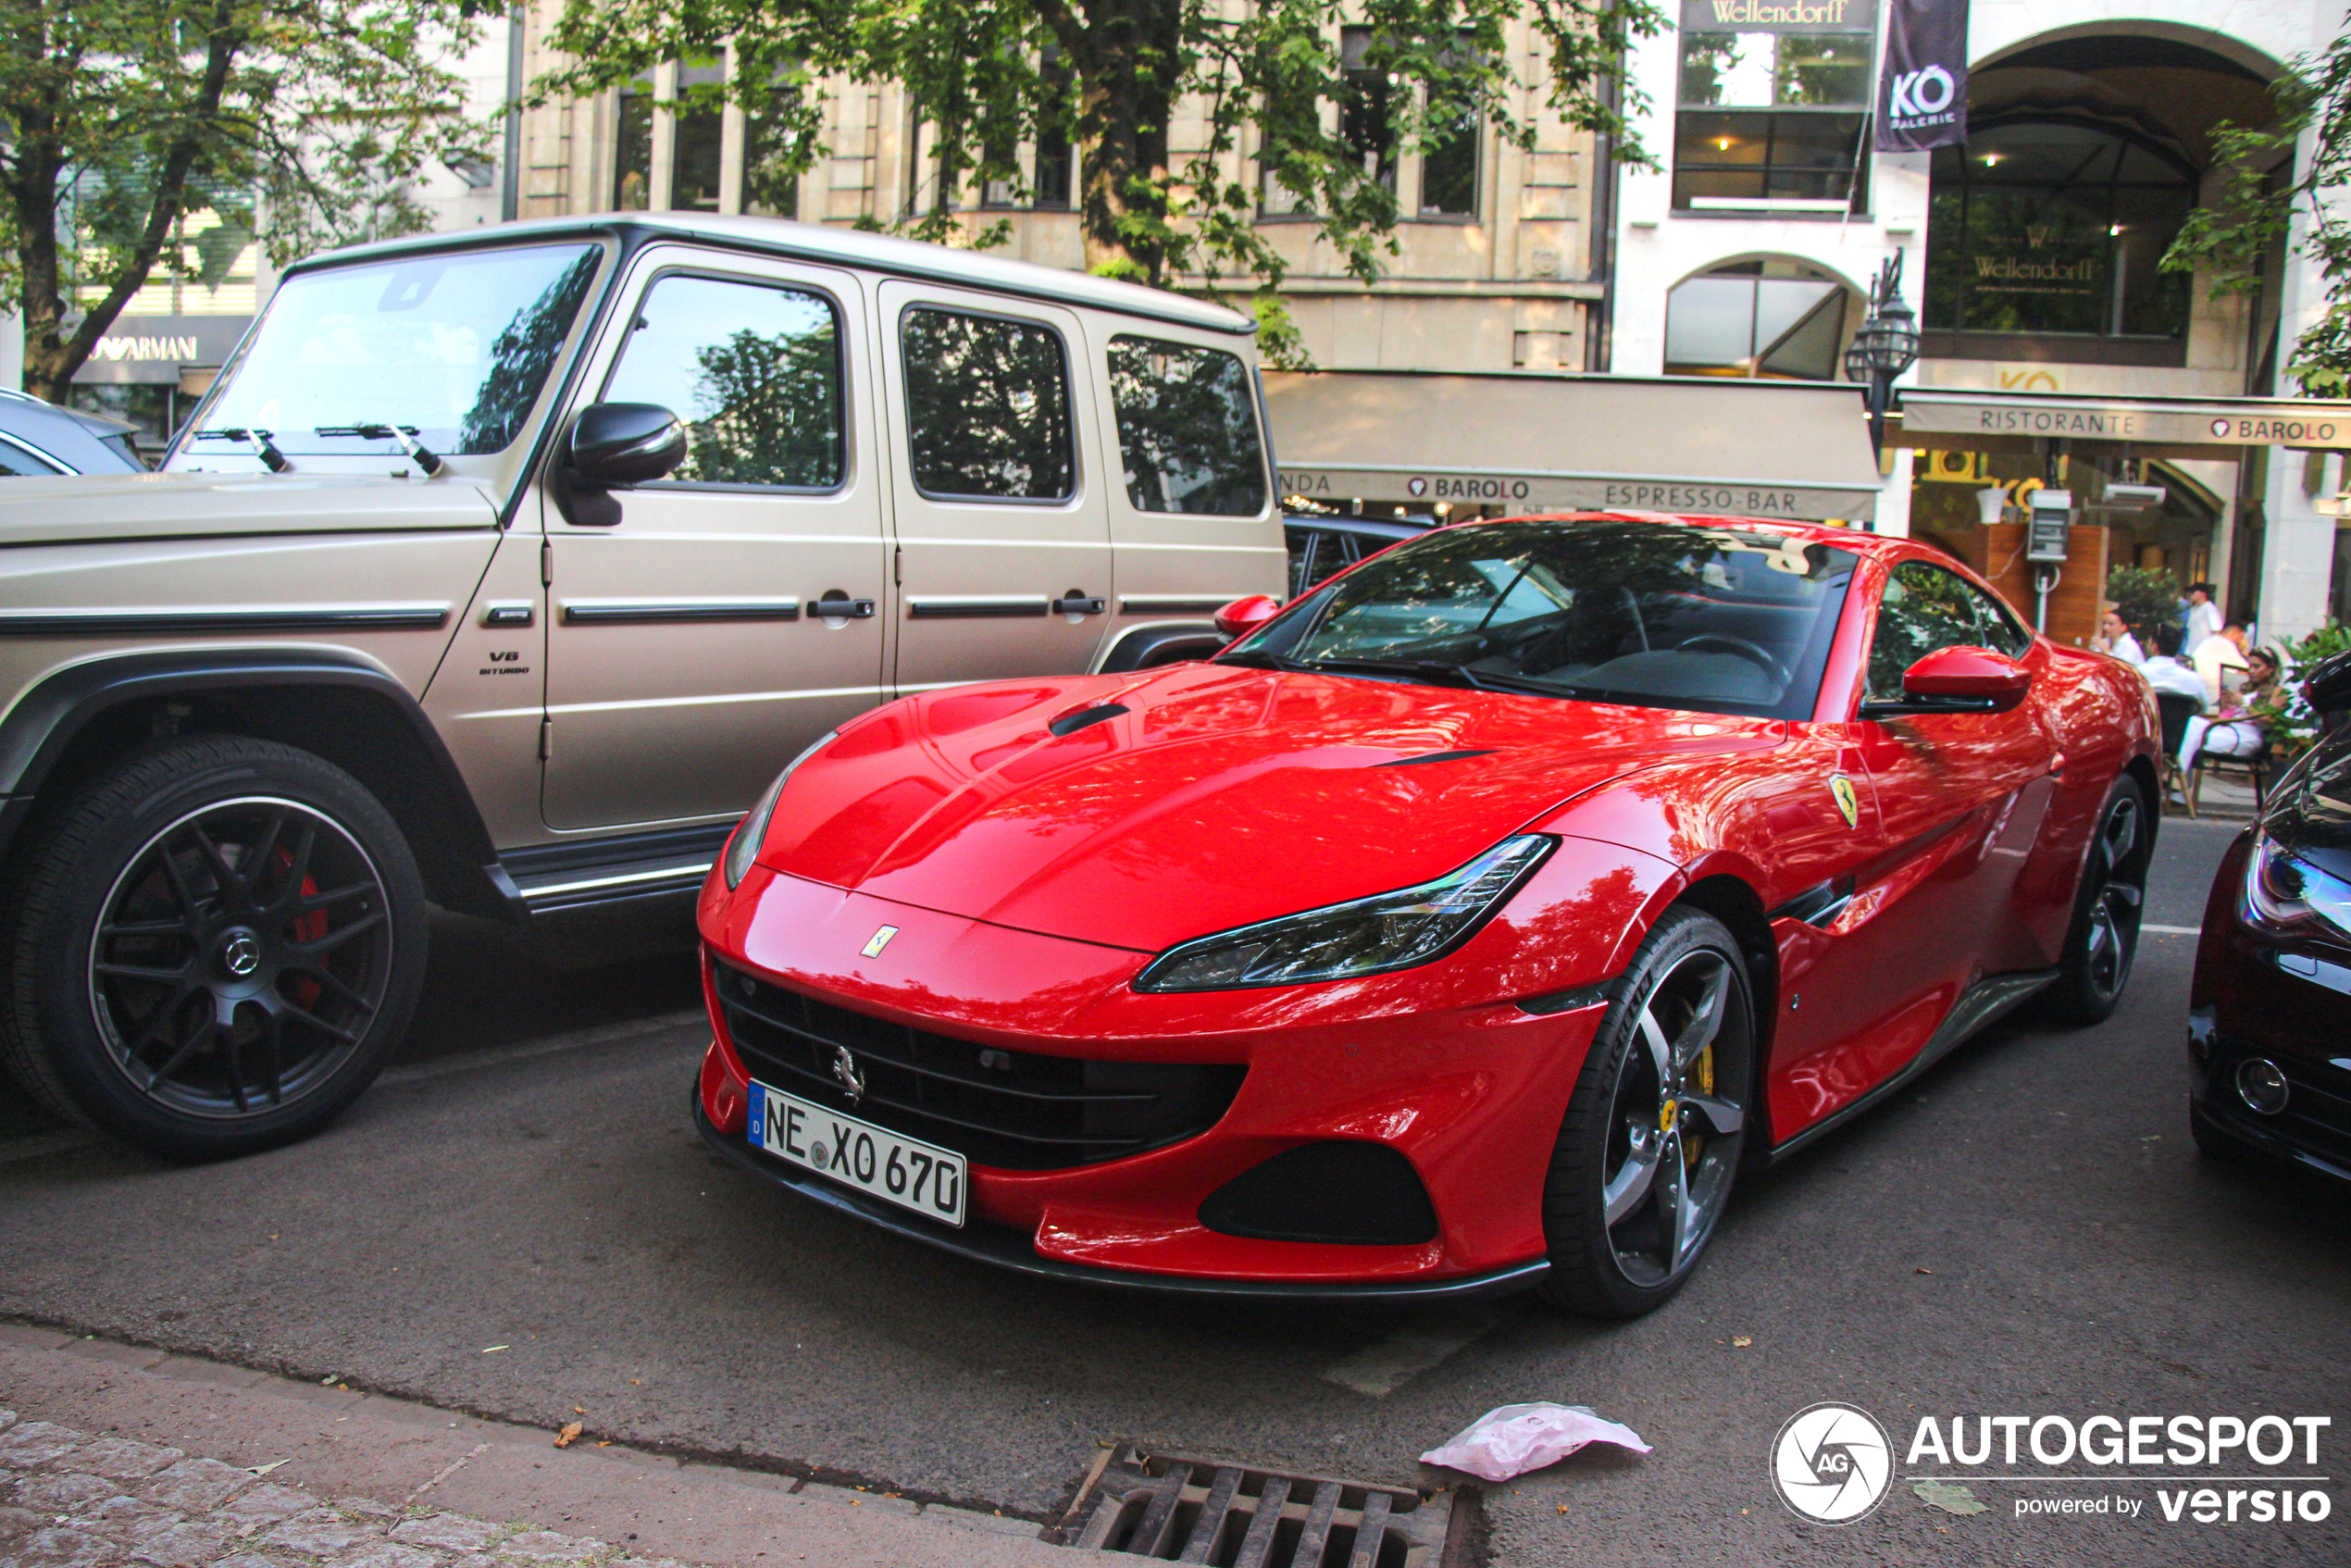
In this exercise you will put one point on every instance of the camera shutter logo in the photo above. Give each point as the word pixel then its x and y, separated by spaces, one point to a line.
pixel 1832 1463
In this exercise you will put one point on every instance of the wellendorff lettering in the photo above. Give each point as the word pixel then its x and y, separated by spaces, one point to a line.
pixel 1790 13
pixel 2049 421
pixel 2008 268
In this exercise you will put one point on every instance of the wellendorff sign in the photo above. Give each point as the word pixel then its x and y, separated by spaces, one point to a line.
pixel 1779 16
pixel 2254 423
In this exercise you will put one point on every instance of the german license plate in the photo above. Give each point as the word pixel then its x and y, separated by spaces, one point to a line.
pixel 904 1171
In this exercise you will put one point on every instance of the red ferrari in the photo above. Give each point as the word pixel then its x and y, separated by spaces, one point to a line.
pixel 1468 925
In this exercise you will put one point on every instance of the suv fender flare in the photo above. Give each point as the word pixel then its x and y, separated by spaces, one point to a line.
pixel 41 727
pixel 1136 649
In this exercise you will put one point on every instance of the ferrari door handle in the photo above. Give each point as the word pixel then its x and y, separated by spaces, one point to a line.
pixel 834 607
pixel 1077 603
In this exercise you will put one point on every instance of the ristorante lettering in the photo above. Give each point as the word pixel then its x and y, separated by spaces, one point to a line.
pixel 2055 421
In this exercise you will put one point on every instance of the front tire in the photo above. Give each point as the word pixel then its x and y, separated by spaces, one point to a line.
pixel 212 950
pixel 1650 1144
pixel 2103 943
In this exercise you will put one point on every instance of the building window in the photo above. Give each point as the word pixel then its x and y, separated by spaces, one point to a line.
pixel 1053 176
pixel 1779 319
pixel 632 177
pixel 2054 226
pixel 1448 165
pixel 1771 117
pixel 693 154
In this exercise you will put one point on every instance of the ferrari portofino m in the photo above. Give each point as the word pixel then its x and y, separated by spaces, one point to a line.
pixel 1468 925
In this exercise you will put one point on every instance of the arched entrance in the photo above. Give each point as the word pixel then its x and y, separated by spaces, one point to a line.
pixel 1771 316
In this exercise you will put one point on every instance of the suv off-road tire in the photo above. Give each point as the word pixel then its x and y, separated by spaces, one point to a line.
pixel 258 885
pixel 1603 1267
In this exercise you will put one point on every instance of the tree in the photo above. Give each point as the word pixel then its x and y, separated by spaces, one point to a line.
pixel 302 122
pixel 2260 195
pixel 1115 76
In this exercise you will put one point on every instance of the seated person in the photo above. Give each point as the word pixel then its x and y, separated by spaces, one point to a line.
pixel 2166 674
pixel 2235 730
pixel 2114 637
pixel 2217 653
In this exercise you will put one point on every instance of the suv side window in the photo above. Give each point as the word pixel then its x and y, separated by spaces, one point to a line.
pixel 1924 608
pixel 753 370
pixel 987 408
pixel 1186 429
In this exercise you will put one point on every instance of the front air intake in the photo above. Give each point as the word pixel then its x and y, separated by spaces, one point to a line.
pixel 1360 1194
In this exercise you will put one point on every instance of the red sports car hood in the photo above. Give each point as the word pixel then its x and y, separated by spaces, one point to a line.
pixel 1220 796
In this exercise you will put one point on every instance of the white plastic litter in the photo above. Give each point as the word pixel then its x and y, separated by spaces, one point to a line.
pixel 1517 1438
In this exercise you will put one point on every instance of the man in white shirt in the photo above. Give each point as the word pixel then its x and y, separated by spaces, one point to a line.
pixel 2221 654
pixel 2204 617
pixel 2166 674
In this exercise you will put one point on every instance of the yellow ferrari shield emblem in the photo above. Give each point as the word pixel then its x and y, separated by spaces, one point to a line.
pixel 1847 801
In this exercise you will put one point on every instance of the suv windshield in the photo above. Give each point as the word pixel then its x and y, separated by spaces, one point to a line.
pixel 454 346
pixel 1660 614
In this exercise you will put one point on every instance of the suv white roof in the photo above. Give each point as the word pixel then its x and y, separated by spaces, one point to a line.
pixel 827 243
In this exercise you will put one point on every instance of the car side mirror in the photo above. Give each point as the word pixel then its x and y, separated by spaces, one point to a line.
pixel 1958 680
pixel 624 443
pixel 2328 687
pixel 1244 615
pixel 610 446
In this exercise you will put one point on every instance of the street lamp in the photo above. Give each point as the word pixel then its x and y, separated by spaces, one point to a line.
pixel 1887 345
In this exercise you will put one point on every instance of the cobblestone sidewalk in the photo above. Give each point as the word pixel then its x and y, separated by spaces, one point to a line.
pixel 72 1501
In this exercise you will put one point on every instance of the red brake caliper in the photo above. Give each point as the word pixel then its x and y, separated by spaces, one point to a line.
pixel 302 989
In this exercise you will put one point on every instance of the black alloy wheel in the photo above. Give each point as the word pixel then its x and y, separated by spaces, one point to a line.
pixel 1649 1149
pixel 2103 942
pixel 215 951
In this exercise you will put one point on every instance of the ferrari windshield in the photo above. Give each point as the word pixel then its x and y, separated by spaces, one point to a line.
pixel 454 346
pixel 1661 614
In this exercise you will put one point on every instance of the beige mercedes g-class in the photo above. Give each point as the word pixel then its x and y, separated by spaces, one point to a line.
pixel 503 570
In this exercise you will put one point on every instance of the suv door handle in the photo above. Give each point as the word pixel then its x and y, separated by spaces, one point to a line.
pixel 841 607
pixel 1075 602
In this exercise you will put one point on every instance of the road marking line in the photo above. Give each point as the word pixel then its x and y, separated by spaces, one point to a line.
pixel 2171 930
pixel 419 1072
pixel 1380 1369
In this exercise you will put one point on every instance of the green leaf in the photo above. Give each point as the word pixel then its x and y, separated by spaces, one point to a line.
pixel 1948 1496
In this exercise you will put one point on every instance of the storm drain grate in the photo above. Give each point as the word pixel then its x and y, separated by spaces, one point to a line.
pixel 1183 1510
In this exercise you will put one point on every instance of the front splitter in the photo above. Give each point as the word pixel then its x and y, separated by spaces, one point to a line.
pixel 1006 1248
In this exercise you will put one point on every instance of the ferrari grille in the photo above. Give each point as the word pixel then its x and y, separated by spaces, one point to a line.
pixel 1014 1110
pixel 1176 1509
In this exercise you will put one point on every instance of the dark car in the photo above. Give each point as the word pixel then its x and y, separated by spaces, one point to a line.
pixel 2270 1014
pixel 40 441
pixel 1319 547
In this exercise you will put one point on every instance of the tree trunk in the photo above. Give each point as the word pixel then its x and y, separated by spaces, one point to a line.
pixel 1125 57
pixel 52 354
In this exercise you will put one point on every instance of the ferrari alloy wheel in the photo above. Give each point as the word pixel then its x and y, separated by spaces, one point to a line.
pixel 2104 940
pixel 1650 1145
pixel 215 951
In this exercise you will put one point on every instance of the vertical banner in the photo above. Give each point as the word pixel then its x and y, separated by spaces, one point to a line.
pixel 1921 97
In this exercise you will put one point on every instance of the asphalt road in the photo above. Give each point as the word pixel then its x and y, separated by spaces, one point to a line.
pixel 2030 1232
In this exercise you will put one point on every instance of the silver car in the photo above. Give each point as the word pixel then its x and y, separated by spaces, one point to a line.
pixel 502 571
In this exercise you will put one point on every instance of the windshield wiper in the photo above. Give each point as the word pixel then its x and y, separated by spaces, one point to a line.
pixel 1435 671
pixel 1258 658
pixel 423 457
pixel 271 458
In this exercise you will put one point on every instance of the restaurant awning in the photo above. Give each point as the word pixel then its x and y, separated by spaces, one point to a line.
pixel 1955 418
pixel 1541 442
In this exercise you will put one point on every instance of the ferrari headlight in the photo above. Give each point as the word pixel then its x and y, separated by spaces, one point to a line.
pixel 744 848
pixel 2286 893
pixel 1365 936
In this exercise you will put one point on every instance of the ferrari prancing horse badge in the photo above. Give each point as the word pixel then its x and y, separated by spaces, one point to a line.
pixel 1846 802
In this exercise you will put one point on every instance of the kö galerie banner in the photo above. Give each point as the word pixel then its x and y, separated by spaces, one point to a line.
pixel 1922 96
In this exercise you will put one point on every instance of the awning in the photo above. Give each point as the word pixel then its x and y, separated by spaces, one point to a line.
pixel 2152 427
pixel 1546 443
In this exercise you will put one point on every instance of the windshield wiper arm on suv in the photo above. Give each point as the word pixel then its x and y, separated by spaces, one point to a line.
pixel 422 455
pixel 271 458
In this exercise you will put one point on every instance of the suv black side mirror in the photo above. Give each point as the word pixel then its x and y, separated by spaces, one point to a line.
pixel 612 445
pixel 624 443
